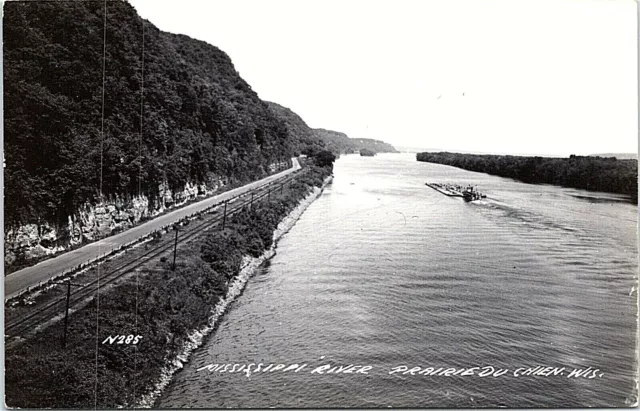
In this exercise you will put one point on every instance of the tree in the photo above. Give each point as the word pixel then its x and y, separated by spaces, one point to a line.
pixel 192 119
pixel 325 158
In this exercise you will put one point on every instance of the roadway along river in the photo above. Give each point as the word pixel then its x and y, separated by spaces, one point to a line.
pixel 18 281
pixel 383 271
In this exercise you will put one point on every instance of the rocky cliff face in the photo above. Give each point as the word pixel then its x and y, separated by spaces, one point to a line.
pixel 95 221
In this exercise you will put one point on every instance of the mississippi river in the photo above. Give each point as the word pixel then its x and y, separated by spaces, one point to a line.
pixel 532 289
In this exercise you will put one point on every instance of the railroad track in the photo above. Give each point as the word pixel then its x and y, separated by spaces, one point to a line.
pixel 47 312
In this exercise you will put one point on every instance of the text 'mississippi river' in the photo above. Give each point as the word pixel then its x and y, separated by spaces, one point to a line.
pixel 387 293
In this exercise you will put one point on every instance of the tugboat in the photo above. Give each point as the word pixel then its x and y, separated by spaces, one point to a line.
pixel 468 193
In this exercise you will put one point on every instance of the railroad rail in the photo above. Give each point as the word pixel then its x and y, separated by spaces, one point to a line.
pixel 40 316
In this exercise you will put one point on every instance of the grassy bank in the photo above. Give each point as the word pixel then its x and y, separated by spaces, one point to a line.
pixel 160 305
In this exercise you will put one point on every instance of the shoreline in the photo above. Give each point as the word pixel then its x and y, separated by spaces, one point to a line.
pixel 577 172
pixel 196 338
pixel 171 309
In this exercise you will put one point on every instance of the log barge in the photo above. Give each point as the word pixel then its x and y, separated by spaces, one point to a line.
pixel 468 193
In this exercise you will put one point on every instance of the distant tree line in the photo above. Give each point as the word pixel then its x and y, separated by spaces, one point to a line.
pixel 585 172
pixel 340 143
pixel 376 146
pixel 313 140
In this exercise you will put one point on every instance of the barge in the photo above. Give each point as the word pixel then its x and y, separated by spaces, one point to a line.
pixel 468 193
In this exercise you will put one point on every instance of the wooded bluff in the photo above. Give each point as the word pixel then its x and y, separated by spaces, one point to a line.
pixel 176 115
pixel 334 141
pixel 584 172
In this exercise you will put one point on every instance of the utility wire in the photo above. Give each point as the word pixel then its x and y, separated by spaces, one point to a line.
pixel 97 297
pixel 135 356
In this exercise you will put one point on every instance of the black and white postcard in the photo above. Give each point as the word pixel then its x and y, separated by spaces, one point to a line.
pixel 332 204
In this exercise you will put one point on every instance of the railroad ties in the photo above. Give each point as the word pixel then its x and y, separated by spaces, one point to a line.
pixel 50 311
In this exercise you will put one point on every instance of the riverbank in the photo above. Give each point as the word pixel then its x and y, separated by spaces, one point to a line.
pixel 384 271
pixel 606 174
pixel 159 308
pixel 249 266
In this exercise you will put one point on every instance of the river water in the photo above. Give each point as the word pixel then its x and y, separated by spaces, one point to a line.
pixel 383 271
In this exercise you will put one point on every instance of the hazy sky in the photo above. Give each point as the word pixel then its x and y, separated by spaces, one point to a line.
pixel 507 76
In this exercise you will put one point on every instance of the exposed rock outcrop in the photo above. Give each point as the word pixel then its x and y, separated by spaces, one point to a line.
pixel 95 221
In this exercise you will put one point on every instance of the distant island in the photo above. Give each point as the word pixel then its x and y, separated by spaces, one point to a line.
pixel 365 152
pixel 594 173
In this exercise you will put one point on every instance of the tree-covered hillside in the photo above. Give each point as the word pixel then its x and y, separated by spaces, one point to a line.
pixel 314 140
pixel 335 141
pixel 175 110
pixel 589 173
pixel 376 146
pixel 340 143
pixel 308 140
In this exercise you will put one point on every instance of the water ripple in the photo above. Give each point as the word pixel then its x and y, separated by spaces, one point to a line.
pixel 384 271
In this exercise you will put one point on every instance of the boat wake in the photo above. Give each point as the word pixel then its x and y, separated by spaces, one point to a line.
pixel 518 215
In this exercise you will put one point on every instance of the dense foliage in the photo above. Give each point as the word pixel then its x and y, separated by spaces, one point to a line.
pixel 309 141
pixel 376 146
pixel 339 143
pixel 183 115
pixel 313 140
pixel 164 306
pixel 589 173
pixel 324 158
